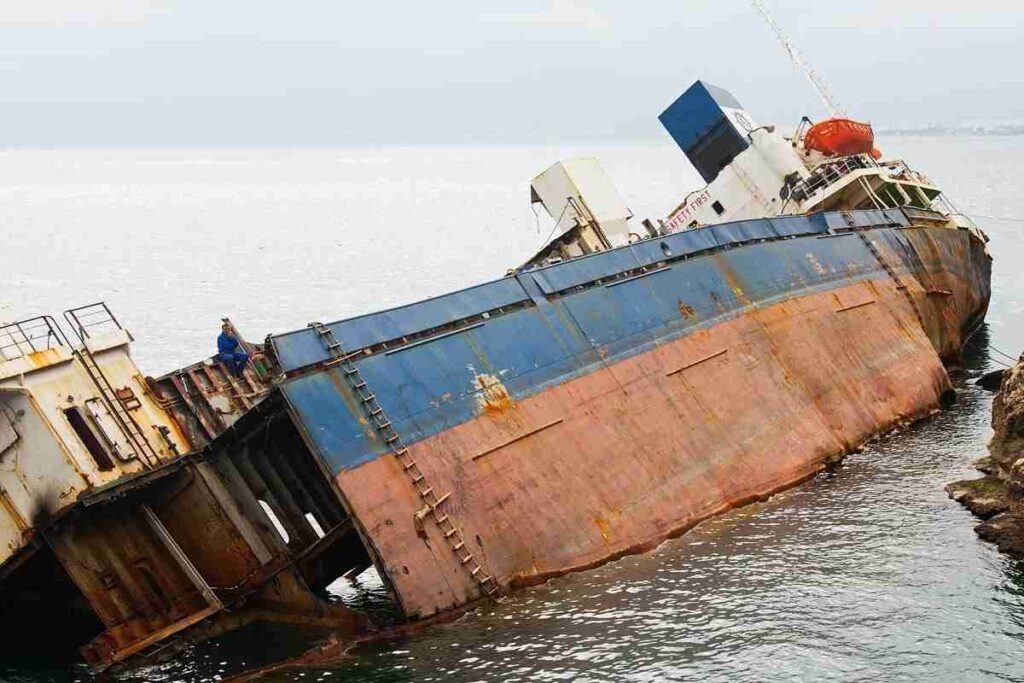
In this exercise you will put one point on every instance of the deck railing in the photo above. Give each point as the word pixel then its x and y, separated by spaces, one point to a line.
pixel 91 319
pixel 830 172
pixel 24 337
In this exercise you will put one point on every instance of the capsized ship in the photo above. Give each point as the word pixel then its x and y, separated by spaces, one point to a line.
pixel 618 388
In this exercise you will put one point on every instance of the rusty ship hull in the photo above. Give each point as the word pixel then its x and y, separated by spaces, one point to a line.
pixel 567 415
pixel 465 445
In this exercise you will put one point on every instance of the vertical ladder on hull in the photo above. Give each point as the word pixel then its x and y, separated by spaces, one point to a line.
pixel 751 186
pixel 136 439
pixel 373 411
pixel 900 285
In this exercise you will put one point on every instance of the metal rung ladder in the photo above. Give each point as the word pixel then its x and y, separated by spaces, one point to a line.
pixel 900 285
pixel 133 434
pixel 379 420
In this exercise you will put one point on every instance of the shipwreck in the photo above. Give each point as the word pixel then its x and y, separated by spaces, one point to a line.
pixel 621 386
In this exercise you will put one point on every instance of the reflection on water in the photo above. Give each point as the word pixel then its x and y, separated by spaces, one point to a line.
pixel 872 573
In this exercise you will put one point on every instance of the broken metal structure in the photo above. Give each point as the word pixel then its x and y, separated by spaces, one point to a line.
pixel 589 213
pixel 139 512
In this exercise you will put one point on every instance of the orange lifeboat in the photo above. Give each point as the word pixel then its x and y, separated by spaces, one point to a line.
pixel 841 137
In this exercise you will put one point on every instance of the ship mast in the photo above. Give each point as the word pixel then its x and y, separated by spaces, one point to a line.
pixel 817 82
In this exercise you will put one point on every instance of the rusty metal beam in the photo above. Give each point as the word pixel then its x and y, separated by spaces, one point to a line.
pixel 246 498
pixel 157 636
pixel 305 495
pixel 230 507
pixel 288 505
pixel 262 490
pixel 182 559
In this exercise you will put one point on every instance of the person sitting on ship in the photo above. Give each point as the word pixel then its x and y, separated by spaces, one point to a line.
pixel 229 351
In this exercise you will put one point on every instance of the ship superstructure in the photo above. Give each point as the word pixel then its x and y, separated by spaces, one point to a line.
pixel 753 171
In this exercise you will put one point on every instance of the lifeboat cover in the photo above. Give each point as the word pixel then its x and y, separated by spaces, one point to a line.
pixel 840 137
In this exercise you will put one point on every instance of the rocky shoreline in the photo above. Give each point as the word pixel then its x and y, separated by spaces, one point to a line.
pixel 998 497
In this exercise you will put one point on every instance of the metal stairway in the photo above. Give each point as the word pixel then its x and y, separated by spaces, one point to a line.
pixel 99 317
pixel 751 186
pixel 432 502
pixel 133 434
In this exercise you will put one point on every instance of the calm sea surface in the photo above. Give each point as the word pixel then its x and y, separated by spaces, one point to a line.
pixel 871 574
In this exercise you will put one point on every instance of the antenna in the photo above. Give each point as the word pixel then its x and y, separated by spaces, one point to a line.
pixel 817 82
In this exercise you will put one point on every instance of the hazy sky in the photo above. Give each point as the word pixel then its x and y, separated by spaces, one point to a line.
pixel 310 72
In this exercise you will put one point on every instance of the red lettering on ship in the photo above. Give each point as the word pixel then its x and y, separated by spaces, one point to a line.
pixel 684 213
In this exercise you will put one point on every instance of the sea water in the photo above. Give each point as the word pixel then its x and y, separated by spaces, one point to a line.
pixel 871 573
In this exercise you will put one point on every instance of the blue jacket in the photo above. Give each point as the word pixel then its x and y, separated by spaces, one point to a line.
pixel 226 343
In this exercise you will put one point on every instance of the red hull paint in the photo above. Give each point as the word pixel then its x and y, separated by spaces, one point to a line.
pixel 618 460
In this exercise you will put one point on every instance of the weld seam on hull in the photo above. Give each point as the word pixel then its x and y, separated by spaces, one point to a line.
pixel 637 277
pixel 421 342
pixel 522 436
pixel 696 362
pixel 853 306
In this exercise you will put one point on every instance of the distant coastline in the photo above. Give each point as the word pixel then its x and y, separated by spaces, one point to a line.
pixel 987 129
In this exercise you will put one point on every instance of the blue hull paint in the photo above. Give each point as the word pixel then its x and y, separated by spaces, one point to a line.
pixel 566 320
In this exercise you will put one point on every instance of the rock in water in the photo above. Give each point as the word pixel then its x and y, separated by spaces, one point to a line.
pixel 985 497
pixel 991 380
pixel 1007 445
pixel 998 497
